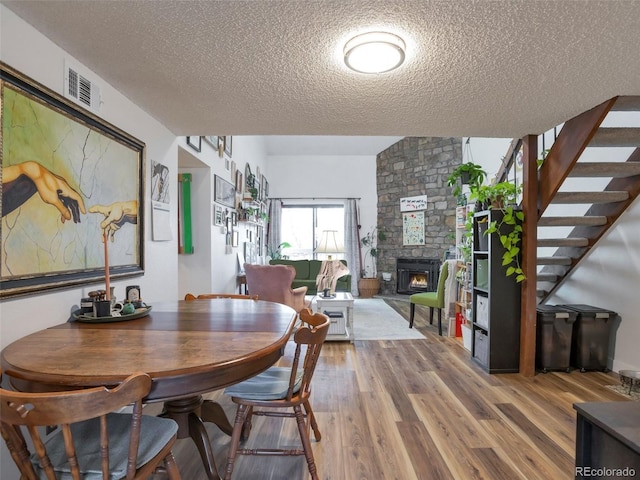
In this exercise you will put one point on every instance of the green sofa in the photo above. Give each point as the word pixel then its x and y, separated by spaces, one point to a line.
pixel 308 270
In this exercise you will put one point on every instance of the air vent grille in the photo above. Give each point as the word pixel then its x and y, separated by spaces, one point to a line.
pixel 82 90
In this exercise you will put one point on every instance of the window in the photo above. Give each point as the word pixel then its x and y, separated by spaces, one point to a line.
pixel 302 227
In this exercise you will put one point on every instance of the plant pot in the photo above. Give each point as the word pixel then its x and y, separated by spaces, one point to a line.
pixel 368 287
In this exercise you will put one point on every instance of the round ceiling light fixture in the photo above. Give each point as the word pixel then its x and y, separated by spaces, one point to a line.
pixel 374 52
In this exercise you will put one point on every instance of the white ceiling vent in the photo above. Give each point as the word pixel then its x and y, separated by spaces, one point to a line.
pixel 80 89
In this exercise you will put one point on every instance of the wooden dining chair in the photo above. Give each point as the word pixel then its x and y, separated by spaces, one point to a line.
pixel 282 388
pixel 189 296
pixel 89 441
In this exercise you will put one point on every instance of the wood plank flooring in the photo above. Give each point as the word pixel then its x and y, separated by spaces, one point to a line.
pixel 419 409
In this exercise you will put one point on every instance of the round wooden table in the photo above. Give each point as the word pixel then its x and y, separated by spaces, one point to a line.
pixel 188 348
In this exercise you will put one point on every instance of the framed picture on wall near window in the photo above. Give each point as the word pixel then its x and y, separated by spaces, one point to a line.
pixel 195 143
pixel 218 216
pixel 224 192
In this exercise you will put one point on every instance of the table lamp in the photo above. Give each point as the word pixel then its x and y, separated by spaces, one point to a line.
pixel 330 243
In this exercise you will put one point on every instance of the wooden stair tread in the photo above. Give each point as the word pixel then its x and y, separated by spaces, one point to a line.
pixel 554 260
pixel 591 221
pixel 626 103
pixel 563 242
pixel 605 169
pixel 616 137
pixel 547 277
pixel 591 197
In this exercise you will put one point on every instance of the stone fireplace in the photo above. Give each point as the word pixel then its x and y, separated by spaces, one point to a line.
pixel 415 166
pixel 416 275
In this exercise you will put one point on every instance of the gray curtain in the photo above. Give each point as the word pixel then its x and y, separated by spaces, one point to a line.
pixel 352 242
pixel 273 228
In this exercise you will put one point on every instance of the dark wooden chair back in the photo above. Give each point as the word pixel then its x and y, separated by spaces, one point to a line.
pixel 22 413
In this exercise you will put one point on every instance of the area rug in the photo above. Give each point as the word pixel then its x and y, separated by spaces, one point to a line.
pixel 375 320
pixel 624 391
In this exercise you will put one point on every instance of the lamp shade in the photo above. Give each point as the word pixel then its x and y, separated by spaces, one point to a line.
pixel 330 242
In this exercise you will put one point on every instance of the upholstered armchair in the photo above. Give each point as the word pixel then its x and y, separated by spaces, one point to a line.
pixel 273 284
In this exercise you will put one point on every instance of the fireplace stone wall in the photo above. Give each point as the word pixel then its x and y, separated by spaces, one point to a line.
pixel 416 166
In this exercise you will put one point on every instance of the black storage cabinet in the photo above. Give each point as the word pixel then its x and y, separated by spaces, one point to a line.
pixel 591 332
pixel 554 335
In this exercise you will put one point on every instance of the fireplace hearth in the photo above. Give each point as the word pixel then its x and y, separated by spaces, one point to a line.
pixel 416 275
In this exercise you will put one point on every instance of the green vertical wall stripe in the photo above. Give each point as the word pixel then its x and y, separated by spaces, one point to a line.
pixel 186 210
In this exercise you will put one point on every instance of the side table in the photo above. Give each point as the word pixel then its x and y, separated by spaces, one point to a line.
pixel 340 312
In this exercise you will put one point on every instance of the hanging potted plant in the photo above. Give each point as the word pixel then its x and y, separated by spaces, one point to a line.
pixel 369 283
pixel 468 173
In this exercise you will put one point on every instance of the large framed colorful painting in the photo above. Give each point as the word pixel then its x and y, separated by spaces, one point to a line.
pixel 69 180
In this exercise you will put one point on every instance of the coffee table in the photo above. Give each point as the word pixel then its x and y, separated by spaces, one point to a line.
pixel 339 308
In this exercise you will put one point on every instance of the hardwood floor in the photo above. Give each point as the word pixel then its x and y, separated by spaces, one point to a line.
pixel 419 409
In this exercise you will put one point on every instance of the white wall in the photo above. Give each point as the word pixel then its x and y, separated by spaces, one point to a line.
pixel 327 176
pixel 29 52
pixel 213 267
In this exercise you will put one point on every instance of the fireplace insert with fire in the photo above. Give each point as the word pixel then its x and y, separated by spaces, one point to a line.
pixel 416 275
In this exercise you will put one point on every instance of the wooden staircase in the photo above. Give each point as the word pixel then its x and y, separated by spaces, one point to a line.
pixel 596 209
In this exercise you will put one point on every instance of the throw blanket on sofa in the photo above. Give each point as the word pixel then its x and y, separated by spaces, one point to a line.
pixel 330 272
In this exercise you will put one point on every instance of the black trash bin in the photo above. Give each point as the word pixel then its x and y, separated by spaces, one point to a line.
pixel 591 332
pixel 553 338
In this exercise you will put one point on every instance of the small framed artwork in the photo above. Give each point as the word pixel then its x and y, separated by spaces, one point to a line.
pixel 195 143
pixel 211 140
pixel 224 192
pixel 218 215
pixel 239 184
pixel 228 145
pixel 234 218
pixel 234 238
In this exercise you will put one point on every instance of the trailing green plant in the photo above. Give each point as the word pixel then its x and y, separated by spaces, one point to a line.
pixel 510 238
pixel 466 173
pixel 466 242
pixel 369 244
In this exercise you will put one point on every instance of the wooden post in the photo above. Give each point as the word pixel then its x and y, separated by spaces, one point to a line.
pixel 529 254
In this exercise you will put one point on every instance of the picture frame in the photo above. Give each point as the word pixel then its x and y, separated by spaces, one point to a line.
pixel 234 218
pixel 239 181
pixel 218 215
pixel 235 236
pixel 95 166
pixel 224 192
pixel 195 143
pixel 228 145
pixel 212 140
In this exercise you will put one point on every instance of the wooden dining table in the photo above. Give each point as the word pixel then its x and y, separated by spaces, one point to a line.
pixel 188 348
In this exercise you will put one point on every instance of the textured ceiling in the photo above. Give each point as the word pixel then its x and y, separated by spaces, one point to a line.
pixel 473 68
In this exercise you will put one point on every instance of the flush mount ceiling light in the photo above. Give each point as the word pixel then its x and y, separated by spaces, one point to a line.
pixel 374 52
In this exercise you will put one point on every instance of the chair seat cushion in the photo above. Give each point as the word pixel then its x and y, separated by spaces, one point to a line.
pixel 155 432
pixel 429 299
pixel 272 384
